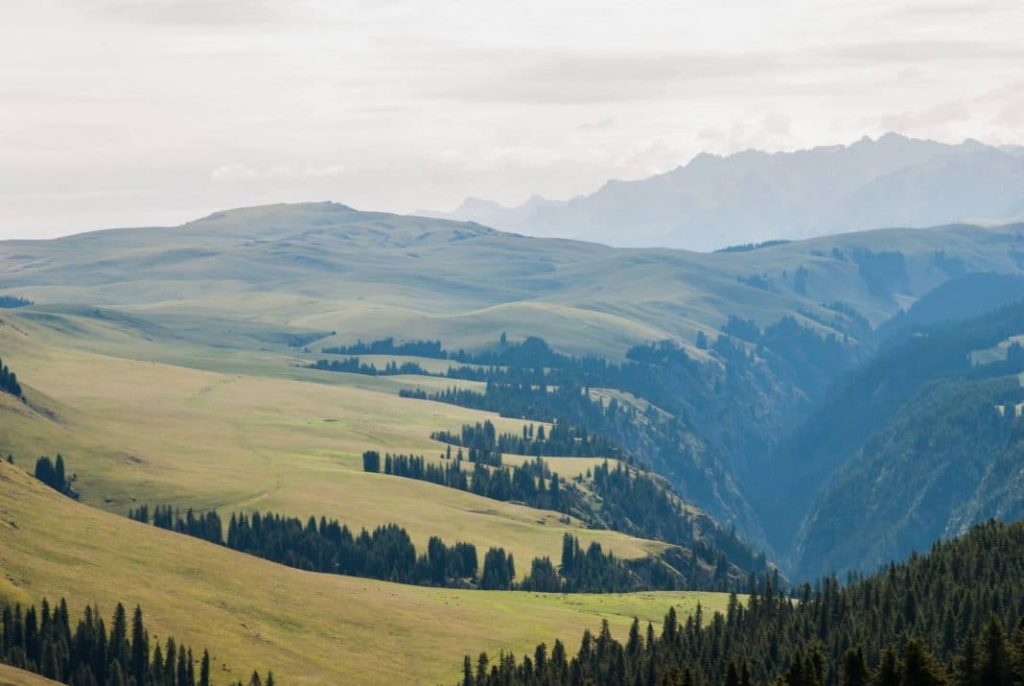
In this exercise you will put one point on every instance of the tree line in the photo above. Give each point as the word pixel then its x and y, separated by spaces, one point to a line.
pixel 562 440
pixel 13 301
pixel 387 346
pixel 388 553
pixel 9 381
pixel 352 365
pixel 53 474
pixel 531 483
pixel 628 500
pixel 952 617
pixel 642 504
pixel 328 546
pixel 41 641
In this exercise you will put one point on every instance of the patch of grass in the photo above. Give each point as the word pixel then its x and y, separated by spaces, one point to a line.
pixel 9 676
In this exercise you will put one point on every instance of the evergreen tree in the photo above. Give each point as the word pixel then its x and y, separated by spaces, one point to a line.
pixel 204 670
pixel 994 668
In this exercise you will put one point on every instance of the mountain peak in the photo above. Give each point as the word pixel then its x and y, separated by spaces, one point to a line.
pixel 752 196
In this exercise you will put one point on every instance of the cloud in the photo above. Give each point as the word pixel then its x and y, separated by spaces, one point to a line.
pixel 195 12
pixel 211 103
pixel 599 125
pixel 558 77
pixel 236 171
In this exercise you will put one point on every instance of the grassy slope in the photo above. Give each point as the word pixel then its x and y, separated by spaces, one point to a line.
pixel 309 628
pixel 144 432
pixel 148 432
pixel 10 676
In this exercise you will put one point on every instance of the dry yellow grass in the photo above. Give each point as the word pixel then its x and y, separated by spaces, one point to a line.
pixel 309 628
pixel 9 676
pixel 145 432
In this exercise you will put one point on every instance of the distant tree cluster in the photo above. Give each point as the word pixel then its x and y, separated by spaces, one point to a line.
pixel 53 474
pixel 9 381
pixel 41 641
pixel 448 473
pixel 206 526
pixel 352 365
pixel 632 502
pixel 936 620
pixel 591 570
pixel 748 247
pixel 385 553
pixel 327 546
pixel 640 504
pixel 387 346
pixel 8 302
pixel 562 440
pixel 883 272
pixel 531 483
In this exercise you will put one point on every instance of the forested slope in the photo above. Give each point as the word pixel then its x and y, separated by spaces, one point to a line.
pixel 952 616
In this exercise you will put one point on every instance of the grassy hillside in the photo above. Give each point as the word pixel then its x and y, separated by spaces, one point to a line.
pixel 325 267
pixel 170 363
pixel 143 432
pixel 309 628
pixel 10 676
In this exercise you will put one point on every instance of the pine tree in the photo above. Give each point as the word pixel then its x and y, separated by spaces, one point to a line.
pixel 966 666
pixel 919 668
pixel 140 648
pixel 204 670
pixel 1018 654
pixel 855 668
pixel 994 667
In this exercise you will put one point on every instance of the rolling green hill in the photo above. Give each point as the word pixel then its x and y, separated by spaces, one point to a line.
pixel 308 628
pixel 143 432
pixel 326 267
pixel 241 295
pixel 223 292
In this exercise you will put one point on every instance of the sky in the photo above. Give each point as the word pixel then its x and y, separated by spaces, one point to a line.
pixel 155 112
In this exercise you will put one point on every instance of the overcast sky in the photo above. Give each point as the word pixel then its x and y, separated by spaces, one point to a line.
pixel 142 112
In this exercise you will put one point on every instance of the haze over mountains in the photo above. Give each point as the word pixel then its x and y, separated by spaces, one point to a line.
pixel 752 196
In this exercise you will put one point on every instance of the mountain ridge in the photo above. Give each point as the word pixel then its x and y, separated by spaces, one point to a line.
pixel 751 196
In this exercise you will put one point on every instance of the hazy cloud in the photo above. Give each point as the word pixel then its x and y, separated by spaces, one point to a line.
pixel 143 111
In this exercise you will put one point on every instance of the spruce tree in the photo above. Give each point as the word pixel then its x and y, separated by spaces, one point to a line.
pixel 919 668
pixel 204 669
pixel 855 668
pixel 994 667
pixel 140 648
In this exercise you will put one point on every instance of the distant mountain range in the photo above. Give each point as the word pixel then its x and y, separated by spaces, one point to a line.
pixel 752 196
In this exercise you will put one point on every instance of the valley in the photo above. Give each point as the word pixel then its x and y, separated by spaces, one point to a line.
pixel 742 399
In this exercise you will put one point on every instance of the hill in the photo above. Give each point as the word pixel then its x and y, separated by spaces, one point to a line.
pixel 753 196
pixel 754 336
pixel 129 429
pixel 308 628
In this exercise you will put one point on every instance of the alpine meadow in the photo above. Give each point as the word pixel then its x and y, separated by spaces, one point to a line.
pixel 715 377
